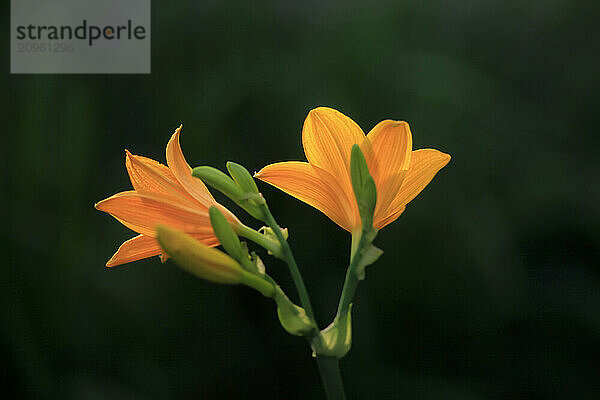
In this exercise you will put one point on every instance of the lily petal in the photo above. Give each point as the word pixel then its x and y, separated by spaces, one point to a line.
pixel 142 211
pixel 425 163
pixel 135 249
pixel 148 175
pixel 313 186
pixel 389 218
pixel 389 159
pixel 327 137
pixel 183 172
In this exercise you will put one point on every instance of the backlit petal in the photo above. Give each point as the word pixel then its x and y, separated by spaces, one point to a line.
pixel 142 211
pixel 389 218
pixel 313 186
pixel 327 137
pixel 147 175
pixel 389 159
pixel 183 172
pixel 425 163
pixel 134 249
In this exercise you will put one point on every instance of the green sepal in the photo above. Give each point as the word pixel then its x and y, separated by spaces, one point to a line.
pixel 336 339
pixel 258 265
pixel 292 317
pixel 224 232
pixel 368 257
pixel 364 187
pixel 242 177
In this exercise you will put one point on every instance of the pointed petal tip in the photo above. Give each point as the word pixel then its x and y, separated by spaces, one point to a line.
pixel 445 158
pixel 113 262
pixel 396 123
pixel 174 139
pixel 129 155
pixel 177 132
pixel 99 205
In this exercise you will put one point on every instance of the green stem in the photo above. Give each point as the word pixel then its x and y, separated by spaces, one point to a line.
pixel 351 281
pixel 329 368
pixel 288 257
pixel 259 239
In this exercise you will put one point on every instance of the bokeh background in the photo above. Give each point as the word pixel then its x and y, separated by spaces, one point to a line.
pixel 489 287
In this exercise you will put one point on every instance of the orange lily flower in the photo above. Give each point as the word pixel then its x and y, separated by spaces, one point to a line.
pixel 324 182
pixel 165 195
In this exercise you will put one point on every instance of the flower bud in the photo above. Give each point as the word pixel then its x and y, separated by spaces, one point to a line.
pixel 224 232
pixel 197 258
pixel 220 181
pixel 364 187
pixel 251 201
pixel 208 263
pixel 242 177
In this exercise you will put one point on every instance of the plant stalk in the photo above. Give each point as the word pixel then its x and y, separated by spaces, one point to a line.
pixel 288 257
pixel 351 281
pixel 258 238
pixel 329 368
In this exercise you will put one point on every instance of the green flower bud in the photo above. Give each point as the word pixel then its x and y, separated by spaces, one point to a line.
pixel 197 258
pixel 220 181
pixel 242 177
pixel 252 202
pixel 207 262
pixel 224 232
pixel 364 187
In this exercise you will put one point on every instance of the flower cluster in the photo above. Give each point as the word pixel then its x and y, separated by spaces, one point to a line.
pixel 361 182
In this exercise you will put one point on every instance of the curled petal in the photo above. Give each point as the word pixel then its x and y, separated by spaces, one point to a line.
pixel 134 249
pixel 313 186
pixel 183 172
pixel 142 211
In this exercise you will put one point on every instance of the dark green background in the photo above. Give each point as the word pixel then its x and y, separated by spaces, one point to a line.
pixel 489 287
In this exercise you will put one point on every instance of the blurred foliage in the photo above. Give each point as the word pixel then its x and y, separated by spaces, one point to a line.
pixel 489 287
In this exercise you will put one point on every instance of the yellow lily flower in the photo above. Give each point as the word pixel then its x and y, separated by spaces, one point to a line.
pixel 162 195
pixel 324 182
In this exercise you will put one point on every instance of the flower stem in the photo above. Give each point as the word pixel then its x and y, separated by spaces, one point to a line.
pixel 329 368
pixel 351 281
pixel 258 238
pixel 288 257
